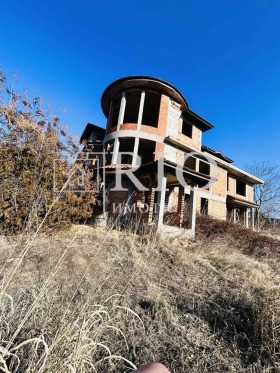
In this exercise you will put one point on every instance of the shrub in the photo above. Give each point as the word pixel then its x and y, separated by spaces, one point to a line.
pixel 31 139
pixel 250 242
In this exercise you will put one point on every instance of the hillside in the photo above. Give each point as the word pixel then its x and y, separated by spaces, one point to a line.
pixel 206 305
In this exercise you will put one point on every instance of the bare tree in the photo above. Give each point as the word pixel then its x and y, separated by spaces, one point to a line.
pixel 267 195
pixel 33 148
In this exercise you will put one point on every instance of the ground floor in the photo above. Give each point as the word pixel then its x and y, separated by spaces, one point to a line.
pixel 166 203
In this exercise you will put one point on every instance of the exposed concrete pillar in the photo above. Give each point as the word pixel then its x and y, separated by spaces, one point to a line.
pixel 197 161
pixel 139 121
pixel 161 200
pixel 181 204
pixel 115 151
pixel 140 112
pixel 122 110
pixel 247 218
pixel 234 214
pixel 135 151
pixel 193 193
pixel 120 121
pixel 253 218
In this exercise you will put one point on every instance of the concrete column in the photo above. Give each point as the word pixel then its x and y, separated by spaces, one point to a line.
pixel 140 112
pixel 161 200
pixel 122 110
pixel 120 121
pixel 139 121
pixel 253 218
pixel 234 214
pixel 135 151
pixel 197 164
pixel 193 193
pixel 115 151
pixel 247 218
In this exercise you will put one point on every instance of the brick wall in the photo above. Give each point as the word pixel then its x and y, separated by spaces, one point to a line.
pixel 195 141
pixel 128 126
pixel 231 186
pixel 250 192
pixel 174 155
pixel 162 123
pixel 163 112
pixel 220 186
pixel 218 210
pixel 232 190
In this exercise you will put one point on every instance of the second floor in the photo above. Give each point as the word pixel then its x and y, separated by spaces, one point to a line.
pixel 145 105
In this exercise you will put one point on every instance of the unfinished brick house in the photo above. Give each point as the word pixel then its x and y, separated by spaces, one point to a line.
pixel 150 125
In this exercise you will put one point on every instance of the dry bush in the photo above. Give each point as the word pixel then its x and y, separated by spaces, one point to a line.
pixel 31 142
pixel 204 308
pixel 249 242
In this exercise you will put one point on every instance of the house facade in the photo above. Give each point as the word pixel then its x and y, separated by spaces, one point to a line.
pixel 153 134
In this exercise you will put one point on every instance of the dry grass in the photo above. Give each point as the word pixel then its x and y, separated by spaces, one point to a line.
pixel 209 305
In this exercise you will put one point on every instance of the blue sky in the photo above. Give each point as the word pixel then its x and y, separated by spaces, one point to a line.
pixel 224 56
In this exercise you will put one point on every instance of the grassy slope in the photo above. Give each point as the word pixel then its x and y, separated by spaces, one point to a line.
pixel 209 305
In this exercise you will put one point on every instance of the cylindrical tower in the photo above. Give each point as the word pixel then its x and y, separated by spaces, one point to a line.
pixel 140 111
